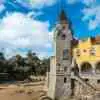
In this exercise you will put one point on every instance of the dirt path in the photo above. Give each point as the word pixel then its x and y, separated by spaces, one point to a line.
pixel 30 91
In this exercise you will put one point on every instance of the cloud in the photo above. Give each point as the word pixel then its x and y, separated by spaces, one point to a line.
pixel 2 7
pixel 72 1
pixel 86 2
pixel 20 31
pixel 42 2
pixel 42 54
pixel 48 45
pixel 37 3
pixel 89 13
pixel 93 24
pixel 34 14
pixel 51 34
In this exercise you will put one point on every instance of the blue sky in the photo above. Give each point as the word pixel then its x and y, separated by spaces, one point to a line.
pixel 28 24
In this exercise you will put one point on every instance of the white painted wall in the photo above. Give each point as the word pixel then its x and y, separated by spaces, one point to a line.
pixel 52 78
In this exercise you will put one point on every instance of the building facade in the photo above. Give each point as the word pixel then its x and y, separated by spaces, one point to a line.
pixel 86 55
pixel 74 69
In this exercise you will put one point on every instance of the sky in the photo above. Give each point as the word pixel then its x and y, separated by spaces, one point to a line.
pixel 28 24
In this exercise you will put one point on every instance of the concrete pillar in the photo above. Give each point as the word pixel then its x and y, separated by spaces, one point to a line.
pixel 93 66
pixel 93 81
pixel 79 69
pixel 47 79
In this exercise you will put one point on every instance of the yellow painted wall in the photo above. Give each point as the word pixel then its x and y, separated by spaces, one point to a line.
pixel 85 56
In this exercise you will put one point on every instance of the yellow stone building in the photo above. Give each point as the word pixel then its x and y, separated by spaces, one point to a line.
pixel 87 55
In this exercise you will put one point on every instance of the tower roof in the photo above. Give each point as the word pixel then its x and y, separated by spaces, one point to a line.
pixel 63 16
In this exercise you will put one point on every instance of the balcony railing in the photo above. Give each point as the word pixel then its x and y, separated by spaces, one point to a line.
pixel 90 75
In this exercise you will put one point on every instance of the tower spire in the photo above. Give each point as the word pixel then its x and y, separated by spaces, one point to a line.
pixel 63 17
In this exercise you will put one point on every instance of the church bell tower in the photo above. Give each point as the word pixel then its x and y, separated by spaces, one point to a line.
pixel 60 64
pixel 63 38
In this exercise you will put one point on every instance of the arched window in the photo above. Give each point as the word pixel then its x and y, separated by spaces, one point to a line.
pixel 65 79
pixel 78 52
pixel 98 81
pixel 92 51
pixel 66 54
pixel 86 80
pixel 98 68
pixel 86 68
pixel 63 36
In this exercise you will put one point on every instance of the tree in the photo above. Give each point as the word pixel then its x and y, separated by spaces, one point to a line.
pixel 33 62
pixel 45 66
pixel 20 68
pixel 19 60
pixel 2 56
pixel 3 66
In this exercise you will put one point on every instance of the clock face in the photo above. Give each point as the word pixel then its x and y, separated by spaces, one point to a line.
pixel 66 54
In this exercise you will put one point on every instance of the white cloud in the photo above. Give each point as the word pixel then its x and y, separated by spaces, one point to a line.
pixel 72 1
pixel 89 13
pixel 92 24
pixel 42 2
pixel 48 45
pixel 51 34
pixel 37 3
pixel 2 7
pixel 44 54
pixel 93 10
pixel 34 14
pixel 20 31
pixel 86 2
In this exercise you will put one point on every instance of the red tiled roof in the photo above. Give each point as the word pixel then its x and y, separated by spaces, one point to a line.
pixel 97 39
